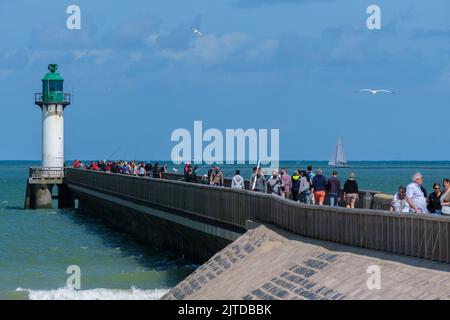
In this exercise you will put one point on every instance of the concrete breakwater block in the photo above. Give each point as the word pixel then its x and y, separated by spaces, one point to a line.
pixel 268 263
pixel 382 201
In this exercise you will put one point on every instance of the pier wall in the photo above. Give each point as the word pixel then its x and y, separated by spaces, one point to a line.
pixel 223 213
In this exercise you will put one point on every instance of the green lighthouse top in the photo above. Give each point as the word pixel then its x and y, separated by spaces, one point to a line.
pixel 52 89
pixel 52 75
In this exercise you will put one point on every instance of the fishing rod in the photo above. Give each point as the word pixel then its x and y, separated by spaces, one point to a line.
pixel 256 175
pixel 112 154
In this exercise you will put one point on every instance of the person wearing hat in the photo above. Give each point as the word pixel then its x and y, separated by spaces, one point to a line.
pixel 351 192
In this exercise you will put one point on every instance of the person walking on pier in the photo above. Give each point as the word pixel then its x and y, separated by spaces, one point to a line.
pixel 217 177
pixel 156 171
pixel 287 183
pixel 187 172
pixel 334 189
pixel 128 169
pixel 193 177
pixel 141 170
pixel 276 183
pixel 445 198
pixel 434 199
pixel 148 169
pixel 296 182
pixel 309 176
pixel 261 182
pixel 237 182
pixel 415 196
pixel 305 188
pixel 319 187
pixel 351 191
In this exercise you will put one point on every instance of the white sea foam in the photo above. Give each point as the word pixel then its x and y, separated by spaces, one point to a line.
pixel 95 294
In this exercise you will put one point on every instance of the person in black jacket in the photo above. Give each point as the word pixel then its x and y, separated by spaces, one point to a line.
pixel 319 187
pixel 434 199
pixel 351 192
pixel 296 181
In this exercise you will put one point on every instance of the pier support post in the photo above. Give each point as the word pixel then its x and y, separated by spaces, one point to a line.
pixel 65 197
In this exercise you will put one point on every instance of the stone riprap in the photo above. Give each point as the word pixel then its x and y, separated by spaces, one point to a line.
pixel 267 264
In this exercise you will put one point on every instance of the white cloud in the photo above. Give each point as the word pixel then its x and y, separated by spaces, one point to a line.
pixel 264 51
pixel 100 56
pixel 209 48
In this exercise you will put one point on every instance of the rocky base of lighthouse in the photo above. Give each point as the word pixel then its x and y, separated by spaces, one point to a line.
pixel 39 196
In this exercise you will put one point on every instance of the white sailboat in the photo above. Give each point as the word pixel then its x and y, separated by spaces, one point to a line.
pixel 338 158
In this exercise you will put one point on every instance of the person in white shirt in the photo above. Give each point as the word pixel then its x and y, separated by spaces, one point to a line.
pixel 237 182
pixel 400 203
pixel 415 196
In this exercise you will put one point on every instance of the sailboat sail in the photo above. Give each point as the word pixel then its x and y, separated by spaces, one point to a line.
pixel 338 157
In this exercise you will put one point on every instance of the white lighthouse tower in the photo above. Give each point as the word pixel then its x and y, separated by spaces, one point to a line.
pixel 52 102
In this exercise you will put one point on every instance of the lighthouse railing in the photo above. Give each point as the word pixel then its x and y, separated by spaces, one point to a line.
pixel 42 174
pixel 66 99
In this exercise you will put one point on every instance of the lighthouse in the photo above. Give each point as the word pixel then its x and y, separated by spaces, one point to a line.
pixel 52 102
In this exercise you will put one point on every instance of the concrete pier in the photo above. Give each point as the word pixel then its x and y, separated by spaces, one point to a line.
pixel 259 246
pixel 224 214
pixel 40 186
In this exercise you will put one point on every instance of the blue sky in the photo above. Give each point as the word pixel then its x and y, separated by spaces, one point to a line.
pixel 138 73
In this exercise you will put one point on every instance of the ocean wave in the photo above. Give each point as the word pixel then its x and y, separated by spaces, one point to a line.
pixel 95 294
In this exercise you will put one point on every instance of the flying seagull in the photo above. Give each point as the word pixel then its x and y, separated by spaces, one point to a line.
pixel 374 92
pixel 197 32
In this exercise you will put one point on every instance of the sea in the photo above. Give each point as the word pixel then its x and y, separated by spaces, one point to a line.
pixel 38 247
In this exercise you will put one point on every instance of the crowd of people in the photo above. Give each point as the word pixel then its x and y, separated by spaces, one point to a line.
pixel 125 167
pixel 304 186
pixel 414 198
